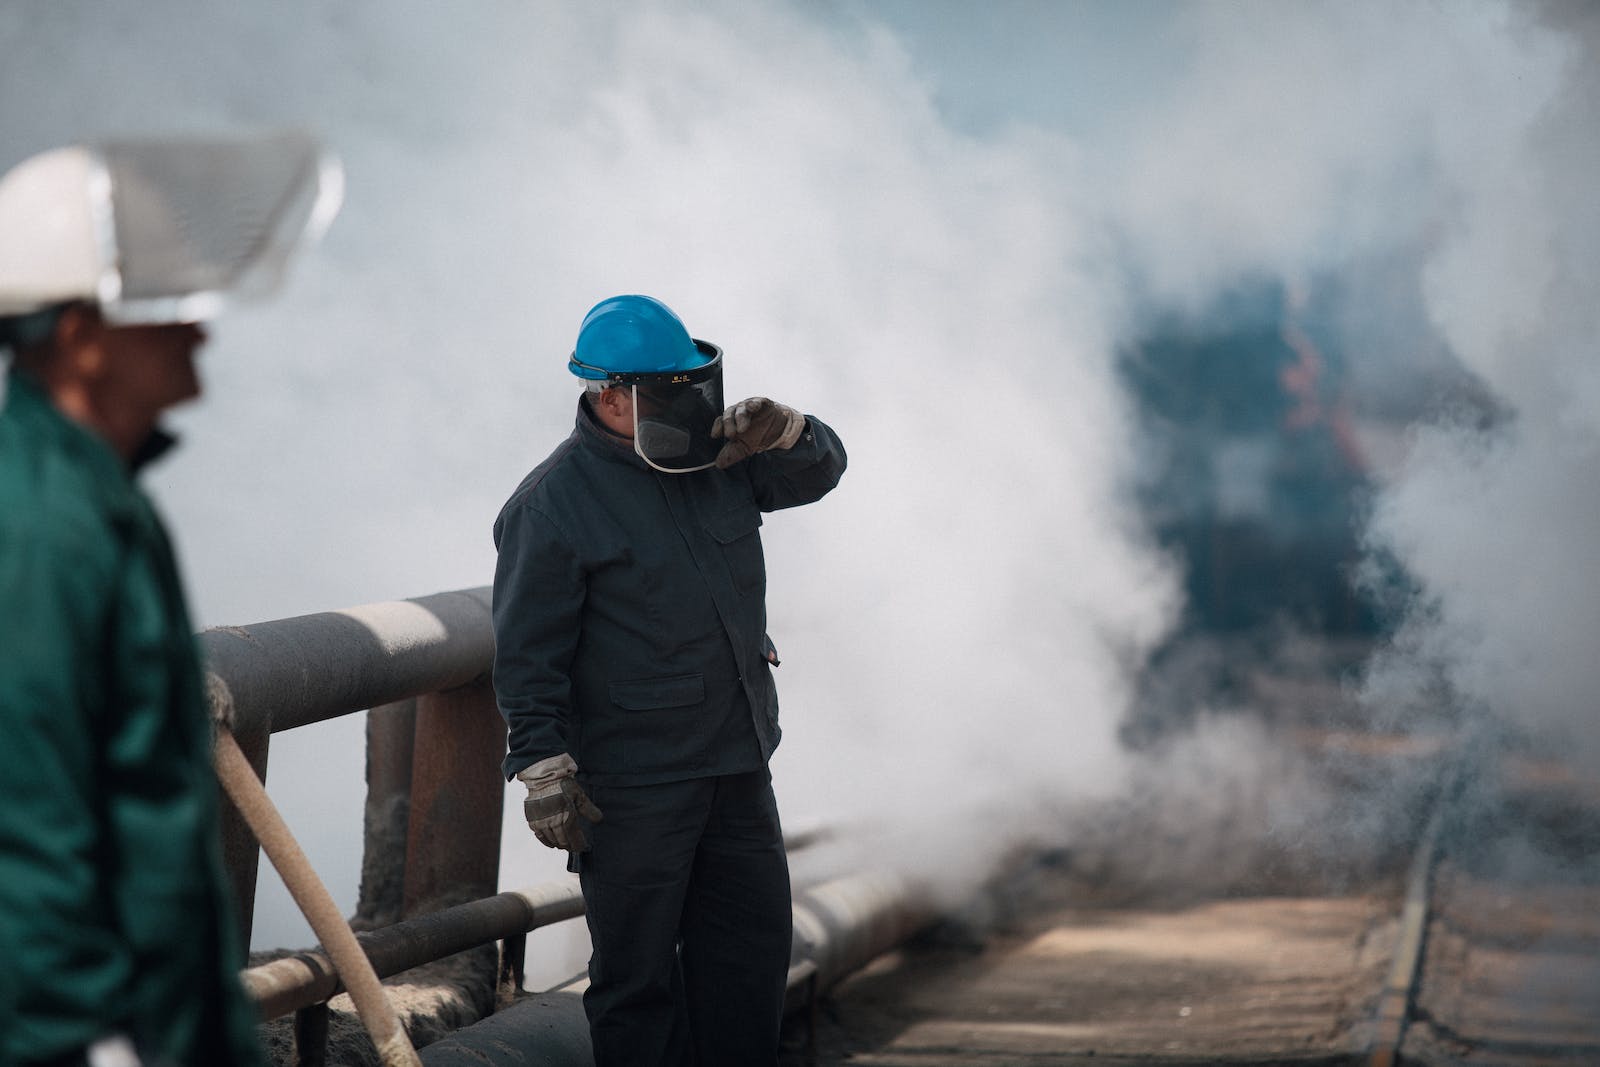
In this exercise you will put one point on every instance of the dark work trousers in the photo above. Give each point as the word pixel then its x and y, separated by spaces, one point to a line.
pixel 686 887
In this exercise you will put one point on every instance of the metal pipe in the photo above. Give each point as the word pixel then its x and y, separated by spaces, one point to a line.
pixel 453 836
pixel 293 672
pixel 391 738
pixel 311 1036
pixel 842 925
pixel 544 1030
pixel 294 982
pixel 372 1004
pixel 241 853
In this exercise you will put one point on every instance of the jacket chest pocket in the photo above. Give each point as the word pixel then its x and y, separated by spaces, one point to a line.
pixel 737 533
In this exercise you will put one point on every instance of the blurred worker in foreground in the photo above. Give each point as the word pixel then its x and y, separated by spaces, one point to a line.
pixel 634 670
pixel 116 932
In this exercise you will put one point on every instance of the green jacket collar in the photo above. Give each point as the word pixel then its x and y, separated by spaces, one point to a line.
pixel 33 404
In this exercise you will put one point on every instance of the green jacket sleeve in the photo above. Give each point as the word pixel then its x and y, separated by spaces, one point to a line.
pixel 113 912
pixel 161 805
pixel 56 574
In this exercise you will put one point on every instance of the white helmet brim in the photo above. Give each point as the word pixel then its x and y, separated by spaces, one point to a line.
pixel 162 230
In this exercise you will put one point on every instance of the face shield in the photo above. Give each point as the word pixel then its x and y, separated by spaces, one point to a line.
pixel 672 424
pixel 673 412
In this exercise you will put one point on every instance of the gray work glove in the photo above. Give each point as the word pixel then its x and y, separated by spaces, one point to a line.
pixel 555 802
pixel 756 425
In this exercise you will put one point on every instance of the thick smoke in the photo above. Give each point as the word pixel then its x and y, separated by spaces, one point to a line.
pixel 1447 149
pixel 1430 158
pixel 1500 525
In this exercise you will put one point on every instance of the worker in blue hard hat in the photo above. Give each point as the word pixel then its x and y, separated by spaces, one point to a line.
pixel 117 936
pixel 634 671
pixel 671 384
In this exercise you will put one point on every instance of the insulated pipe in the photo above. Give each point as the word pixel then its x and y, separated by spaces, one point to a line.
pixel 839 927
pixel 543 1030
pixel 299 981
pixel 292 672
pixel 843 925
pixel 372 1004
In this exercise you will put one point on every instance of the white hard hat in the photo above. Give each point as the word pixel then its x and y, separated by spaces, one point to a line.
pixel 161 230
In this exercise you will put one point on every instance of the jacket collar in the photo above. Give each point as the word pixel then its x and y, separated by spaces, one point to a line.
pixel 595 437
pixel 158 444
pixel 28 394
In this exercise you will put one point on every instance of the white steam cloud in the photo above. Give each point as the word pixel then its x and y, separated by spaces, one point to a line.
pixel 958 617
pixel 1501 526
pixel 1461 138
pixel 962 620
pixel 1448 149
pixel 1457 143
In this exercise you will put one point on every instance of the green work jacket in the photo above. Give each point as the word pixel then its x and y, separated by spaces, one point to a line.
pixel 113 910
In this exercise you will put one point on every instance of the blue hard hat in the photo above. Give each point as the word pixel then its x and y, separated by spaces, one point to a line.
pixel 634 335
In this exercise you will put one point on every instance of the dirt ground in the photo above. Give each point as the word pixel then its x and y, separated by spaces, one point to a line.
pixel 1287 980
pixel 1249 920
pixel 1098 960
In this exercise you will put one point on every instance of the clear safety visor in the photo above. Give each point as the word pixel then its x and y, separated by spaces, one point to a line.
pixel 198 223
pixel 672 417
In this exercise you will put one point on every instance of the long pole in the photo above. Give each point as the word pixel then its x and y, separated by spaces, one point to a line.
pixel 239 781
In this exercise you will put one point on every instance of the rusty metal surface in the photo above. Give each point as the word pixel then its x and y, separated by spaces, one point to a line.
pixel 457 794
pixel 391 736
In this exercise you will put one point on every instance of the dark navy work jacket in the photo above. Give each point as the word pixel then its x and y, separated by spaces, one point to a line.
pixel 630 608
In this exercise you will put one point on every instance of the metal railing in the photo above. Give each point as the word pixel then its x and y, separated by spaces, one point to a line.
pixel 435 738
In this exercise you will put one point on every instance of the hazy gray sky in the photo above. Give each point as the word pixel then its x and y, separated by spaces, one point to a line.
pixel 1077 66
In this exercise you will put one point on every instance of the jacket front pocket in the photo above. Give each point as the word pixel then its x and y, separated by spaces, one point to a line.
pixel 655 727
pixel 651 693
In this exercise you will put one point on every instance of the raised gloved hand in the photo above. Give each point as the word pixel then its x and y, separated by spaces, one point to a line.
pixel 555 802
pixel 756 425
